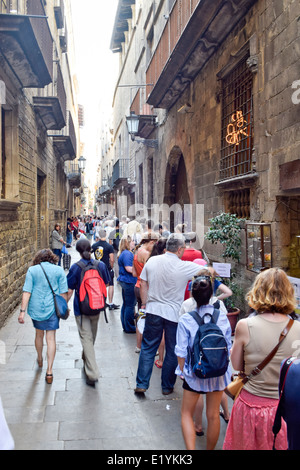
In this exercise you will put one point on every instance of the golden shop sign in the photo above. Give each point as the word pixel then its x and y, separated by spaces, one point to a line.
pixel 237 129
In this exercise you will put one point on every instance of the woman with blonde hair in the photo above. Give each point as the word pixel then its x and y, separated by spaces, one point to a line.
pixel 273 299
pixel 127 282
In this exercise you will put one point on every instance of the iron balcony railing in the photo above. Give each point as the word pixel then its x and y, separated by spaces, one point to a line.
pixel 59 11
pixel 72 169
pixel 120 170
pixel 68 132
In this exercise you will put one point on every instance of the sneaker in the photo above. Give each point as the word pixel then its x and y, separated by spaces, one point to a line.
pixel 167 392
pixel 137 350
pixel 139 390
pixel 90 382
pixel 113 307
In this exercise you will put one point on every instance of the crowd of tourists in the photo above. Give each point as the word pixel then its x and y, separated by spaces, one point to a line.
pixel 172 300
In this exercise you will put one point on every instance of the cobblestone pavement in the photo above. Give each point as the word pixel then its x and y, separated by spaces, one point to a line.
pixel 73 416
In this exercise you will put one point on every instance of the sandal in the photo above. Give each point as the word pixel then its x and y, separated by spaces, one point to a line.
pixel 49 378
pixel 158 364
pixel 223 416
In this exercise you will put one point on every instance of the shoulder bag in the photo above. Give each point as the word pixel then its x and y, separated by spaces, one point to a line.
pixel 61 306
pixel 234 388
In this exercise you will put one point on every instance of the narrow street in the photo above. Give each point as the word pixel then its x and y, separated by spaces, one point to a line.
pixel 69 415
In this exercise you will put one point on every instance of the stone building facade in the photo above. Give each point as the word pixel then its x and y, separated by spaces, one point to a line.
pixel 216 84
pixel 39 135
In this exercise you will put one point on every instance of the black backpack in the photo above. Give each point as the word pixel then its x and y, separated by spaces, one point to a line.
pixel 209 356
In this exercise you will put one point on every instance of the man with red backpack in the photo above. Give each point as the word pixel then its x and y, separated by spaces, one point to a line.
pixel 88 278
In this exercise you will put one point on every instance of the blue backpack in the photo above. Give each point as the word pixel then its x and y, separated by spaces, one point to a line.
pixel 209 355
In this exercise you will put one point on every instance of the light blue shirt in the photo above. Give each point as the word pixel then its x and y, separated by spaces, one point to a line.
pixel 41 303
pixel 186 332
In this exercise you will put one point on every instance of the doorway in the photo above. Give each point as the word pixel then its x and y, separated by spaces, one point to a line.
pixel 176 195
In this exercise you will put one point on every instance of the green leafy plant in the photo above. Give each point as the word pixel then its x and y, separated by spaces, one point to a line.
pixel 226 229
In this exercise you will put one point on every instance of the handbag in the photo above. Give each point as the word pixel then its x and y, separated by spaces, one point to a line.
pixel 64 250
pixel 61 306
pixel 235 387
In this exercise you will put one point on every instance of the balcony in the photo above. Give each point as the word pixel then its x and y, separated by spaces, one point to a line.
pixel 52 106
pixel 77 192
pixel 59 12
pixel 63 39
pixel 147 120
pixel 104 188
pixel 26 42
pixel 74 175
pixel 64 141
pixel 124 13
pixel 193 32
pixel 120 172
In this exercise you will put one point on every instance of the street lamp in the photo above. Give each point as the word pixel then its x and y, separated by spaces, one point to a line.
pixel 82 163
pixel 133 126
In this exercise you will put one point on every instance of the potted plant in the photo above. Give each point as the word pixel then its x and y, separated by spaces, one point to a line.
pixel 226 229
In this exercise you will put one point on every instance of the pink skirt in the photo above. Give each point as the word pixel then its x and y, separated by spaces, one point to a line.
pixel 251 422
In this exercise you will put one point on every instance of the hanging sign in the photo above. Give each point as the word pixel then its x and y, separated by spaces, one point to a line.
pixel 223 269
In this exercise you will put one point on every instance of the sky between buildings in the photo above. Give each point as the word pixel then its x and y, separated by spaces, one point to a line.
pixel 96 70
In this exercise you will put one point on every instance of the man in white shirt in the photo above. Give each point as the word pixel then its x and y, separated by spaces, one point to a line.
pixel 163 282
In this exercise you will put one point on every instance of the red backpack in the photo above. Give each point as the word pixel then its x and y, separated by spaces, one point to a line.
pixel 92 290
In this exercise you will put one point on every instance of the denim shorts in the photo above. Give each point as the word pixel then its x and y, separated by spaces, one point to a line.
pixel 47 325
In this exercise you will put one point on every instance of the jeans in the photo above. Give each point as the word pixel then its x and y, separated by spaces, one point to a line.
pixel 58 253
pixel 153 331
pixel 127 310
pixel 69 238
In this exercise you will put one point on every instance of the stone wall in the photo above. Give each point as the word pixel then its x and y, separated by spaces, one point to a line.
pixel 18 228
pixel 273 31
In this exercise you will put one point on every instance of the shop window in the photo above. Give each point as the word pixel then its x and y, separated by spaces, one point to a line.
pixel 237 122
pixel 259 247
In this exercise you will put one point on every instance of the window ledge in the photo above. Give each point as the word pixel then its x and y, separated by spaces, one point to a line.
pixel 7 205
pixel 237 179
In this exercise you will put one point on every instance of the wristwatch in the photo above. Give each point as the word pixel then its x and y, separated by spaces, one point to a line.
pixel 22 311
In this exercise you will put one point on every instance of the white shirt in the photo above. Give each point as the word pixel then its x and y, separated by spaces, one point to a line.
pixel 167 277
pixel 190 304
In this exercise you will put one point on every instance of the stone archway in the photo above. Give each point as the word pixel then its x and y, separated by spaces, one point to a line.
pixel 176 187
